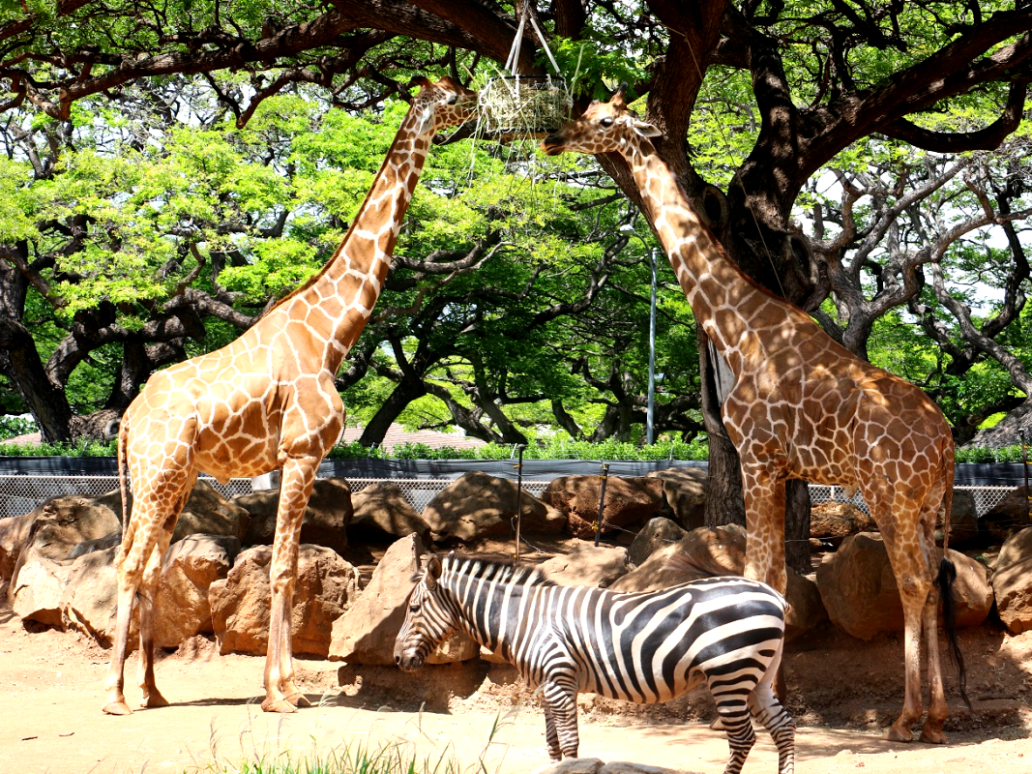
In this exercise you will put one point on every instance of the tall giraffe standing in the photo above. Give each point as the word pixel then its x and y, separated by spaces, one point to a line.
pixel 802 406
pixel 265 401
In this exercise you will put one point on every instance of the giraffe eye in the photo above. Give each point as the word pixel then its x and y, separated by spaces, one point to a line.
pixel 606 122
pixel 453 99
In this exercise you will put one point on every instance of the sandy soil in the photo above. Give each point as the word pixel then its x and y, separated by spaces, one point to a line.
pixel 842 693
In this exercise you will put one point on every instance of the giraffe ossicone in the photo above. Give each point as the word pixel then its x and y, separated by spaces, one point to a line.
pixel 265 401
pixel 801 406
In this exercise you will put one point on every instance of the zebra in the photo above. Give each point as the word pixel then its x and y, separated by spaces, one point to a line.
pixel 646 647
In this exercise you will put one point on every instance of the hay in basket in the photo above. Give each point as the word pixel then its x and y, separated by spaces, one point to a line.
pixel 518 107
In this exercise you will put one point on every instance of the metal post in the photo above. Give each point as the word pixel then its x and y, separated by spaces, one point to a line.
pixel 651 412
pixel 601 502
pixel 1024 459
pixel 519 504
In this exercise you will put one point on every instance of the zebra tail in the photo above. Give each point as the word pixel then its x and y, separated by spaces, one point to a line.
pixel 947 575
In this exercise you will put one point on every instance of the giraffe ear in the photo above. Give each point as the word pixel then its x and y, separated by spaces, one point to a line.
pixel 646 129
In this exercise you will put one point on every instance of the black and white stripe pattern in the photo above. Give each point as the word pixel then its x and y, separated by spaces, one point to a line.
pixel 650 647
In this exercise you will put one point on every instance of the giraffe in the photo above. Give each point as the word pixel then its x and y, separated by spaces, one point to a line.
pixel 801 406
pixel 265 401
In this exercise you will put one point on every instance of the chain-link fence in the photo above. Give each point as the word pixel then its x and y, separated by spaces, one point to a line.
pixel 21 494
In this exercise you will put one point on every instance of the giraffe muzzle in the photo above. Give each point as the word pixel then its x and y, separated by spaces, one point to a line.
pixel 553 144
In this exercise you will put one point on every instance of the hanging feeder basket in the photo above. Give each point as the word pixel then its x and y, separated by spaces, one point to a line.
pixel 524 106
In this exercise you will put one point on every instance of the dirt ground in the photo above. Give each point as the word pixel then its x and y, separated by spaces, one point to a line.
pixel 842 693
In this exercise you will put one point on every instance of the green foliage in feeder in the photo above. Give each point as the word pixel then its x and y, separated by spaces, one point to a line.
pixel 523 106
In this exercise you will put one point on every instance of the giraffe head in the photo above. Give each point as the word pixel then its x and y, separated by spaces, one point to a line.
pixel 445 103
pixel 603 127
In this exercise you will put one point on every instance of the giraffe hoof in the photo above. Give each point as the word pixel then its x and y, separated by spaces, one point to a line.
pixel 933 735
pixel 154 700
pixel 299 700
pixel 117 708
pixel 278 705
pixel 899 734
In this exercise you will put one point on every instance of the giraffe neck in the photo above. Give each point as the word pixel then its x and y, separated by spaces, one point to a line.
pixel 723 299
pixel 337 302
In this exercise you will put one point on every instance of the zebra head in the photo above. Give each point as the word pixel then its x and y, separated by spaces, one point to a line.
pixel 428 620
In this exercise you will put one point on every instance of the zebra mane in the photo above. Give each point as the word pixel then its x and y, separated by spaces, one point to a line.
pixel 494 570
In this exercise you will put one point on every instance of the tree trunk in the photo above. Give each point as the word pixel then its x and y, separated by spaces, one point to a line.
pixel 47 403
pixel 404 393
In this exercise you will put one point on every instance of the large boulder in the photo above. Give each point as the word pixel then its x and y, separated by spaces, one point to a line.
pixel 834 521
pixel 685 493
pixel 325 522
pixel 964 529
pixel 859 591
pixel 14 532
pixel 706 552
pixel 477 505
pixel 587 565
pixel 207 512
pixel 657 533
pixel 326 586
pixel 44 563
pixel 89 602
pixel 181 604
pixel 628 500
pixel 382 512
pixel 365 634
pixel 1012 582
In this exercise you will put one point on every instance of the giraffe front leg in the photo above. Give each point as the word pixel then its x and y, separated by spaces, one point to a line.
pixel 764 495
pixel 297 480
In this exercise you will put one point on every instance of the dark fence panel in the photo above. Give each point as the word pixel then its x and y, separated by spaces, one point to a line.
pixel 968 474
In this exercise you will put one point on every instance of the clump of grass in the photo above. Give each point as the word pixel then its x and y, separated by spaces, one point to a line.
pixel 394 758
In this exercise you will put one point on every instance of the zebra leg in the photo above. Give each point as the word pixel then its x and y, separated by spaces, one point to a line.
pixel 737 723
pixel 561 704
pixel 766 708
pixel 551 735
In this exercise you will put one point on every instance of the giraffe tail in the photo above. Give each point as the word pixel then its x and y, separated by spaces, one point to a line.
pixel 947 576
pixel 123 486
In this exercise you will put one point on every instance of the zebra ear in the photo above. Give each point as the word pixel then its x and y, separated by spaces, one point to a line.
pixel 433 571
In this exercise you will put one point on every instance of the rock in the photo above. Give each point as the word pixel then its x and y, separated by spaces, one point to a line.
pixel 325 522
pixel 596 766
pixel 382 512
pixel 14 532
pixel 685 493
pixel 36 589
pixel 658 532
pixel 181 603
pixel 326 586
pixel 477 505
pixel 89 604
pixel 1005 518
pixel 365 634
pixel 1017 548
pixel 207 512
pixel 628 500
pixel 1012 582
pixel 834 521
pixel 43 565
pixel 963 520
pixel 100 544
pixel 706 552
pixel 859 591
pixel 587 565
